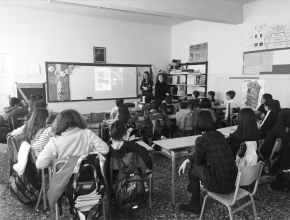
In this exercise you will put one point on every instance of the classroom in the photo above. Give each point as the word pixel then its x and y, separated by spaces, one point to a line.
pixel 165 79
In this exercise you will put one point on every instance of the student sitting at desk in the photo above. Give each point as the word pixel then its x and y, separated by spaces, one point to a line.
pixel 211 148
pixel 147 106
pixel 273 108
pixel 210 96
pixel 205 104
pixel 13 110
pixel 194 102
pixel 262 109
pixel 230 95
pixel 247 130
pixel 181 114
pixel 167 106
pixel 124 115
pixel 114 110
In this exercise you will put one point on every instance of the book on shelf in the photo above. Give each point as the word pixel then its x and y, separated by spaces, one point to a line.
pixel 201 80
pixel 174 79
pixel 170 80
pixel 181 90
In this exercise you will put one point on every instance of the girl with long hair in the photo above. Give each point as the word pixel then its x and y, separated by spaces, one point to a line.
pixel 161 88
pixel 273 108
pixel 247 130
pixel 72 138
pixel 146 85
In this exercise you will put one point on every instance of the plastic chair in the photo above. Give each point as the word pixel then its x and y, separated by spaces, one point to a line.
pixel 187 126
pixel 96 119
pixel 277 148
pixel 246 176
pixel 140 164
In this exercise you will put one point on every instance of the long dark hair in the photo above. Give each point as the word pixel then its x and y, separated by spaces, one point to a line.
pixel 157 80
pixel 273 105
pixel 35 123
pixel 204 122
pixel 247 128
pixel 149 78
pixel 67 118
pixel 124 113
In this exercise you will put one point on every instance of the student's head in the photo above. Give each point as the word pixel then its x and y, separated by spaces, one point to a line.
pixel 160 78
pixel 204 122
pixel 273 105
pixel 195 94
pixel 35 122
pixel 168 100
pixel 68 119
pixel 230 95
pixel 124 113
pixel 39 104
pixel 210 95
pixel 14 101
pixel 147 99
pixel 265 97
pixel 50 119
pixel 146 76
pixel 183 105
pixel 38 97
pixel 155 105
pixel 247 129
pixel 119 102
pixel 117 130
pixel 205 103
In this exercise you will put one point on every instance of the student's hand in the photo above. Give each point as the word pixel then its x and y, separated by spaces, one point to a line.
pixel 167 94
pixel 183 166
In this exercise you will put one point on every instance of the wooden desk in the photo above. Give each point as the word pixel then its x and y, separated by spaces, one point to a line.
pixel 228 130
pixel 174 148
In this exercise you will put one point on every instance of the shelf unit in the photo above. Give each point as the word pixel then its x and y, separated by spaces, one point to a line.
pixel 181 81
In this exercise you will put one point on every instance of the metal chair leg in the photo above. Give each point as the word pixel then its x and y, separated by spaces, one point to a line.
pixel 44 190
pixel 230 212
pixel 38 200
pixel 203 205
pixel 254 207
pixel 56 211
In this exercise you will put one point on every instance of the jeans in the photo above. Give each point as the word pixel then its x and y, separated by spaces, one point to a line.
pixel 195 174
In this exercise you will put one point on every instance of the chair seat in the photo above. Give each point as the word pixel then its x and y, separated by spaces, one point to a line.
pixel 227 199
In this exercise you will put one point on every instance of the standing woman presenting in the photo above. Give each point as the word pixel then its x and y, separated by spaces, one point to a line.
pixel 146 85
pixel 161 88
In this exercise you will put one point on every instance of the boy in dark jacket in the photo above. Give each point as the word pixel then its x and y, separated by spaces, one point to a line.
pixel 13 110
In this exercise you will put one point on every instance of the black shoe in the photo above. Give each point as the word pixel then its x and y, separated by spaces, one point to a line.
pixel 188 188
pixel 190 208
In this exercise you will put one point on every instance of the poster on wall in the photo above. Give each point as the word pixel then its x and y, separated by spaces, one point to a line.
pixel 252 92
pixel 198 53
pixel 254 38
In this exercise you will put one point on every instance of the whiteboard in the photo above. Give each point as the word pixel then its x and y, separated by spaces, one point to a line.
pixel 277 86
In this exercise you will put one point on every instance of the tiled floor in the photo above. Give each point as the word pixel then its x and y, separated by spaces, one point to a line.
pixel 270 205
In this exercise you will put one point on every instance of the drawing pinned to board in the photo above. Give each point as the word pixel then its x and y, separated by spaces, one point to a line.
pixel 277 36
pixel 252 92
pixel 198 53
pixel 254 38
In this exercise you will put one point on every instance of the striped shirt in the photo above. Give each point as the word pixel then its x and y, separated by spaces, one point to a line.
pixel 39 143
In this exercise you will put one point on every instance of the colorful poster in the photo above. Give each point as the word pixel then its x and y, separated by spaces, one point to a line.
pixel 198 53
pixel 252 92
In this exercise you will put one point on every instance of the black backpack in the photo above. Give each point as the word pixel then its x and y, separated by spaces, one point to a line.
pixel 86 189
pixel 131 191
pixel 282 182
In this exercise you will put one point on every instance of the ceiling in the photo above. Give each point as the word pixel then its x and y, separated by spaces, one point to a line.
pixel 162 12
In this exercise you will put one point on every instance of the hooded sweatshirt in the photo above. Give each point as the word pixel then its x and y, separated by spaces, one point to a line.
pixel 14 112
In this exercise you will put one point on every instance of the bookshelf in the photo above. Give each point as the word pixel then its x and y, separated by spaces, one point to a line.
pixel 191 77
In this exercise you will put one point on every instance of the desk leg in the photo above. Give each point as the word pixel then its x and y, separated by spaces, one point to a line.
pixel 152 182
pixel 173 177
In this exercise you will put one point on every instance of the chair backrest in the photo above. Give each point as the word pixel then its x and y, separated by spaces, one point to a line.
pixel 98 117
pixel 246 176
pixel 277 147
pixel 188 123
pixel 129 104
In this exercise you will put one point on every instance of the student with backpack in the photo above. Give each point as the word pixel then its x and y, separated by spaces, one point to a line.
pixel 212 163
pixel 247 130
pixel 72 138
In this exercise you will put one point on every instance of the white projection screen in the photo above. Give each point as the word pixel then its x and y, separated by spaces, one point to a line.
pixel 77 82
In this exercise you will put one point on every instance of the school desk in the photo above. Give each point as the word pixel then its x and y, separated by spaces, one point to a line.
pixel 228 130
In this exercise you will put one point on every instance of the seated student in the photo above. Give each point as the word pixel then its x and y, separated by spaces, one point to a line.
pixel 39 98
pixel 31 102
pixel 72 138
pixel 247 130
pixel 114 110
pixel 273 108
pixel 204 104
pixel 210 96
pixel 37 105
pixel 147 106
pixel 212 163
pixel 194 102
pixel 261 109
pixel 230 95
pixel 155 115
pixel 167 107
pixel 181 114
pixel 13 110
pixel 124 115
pixel 119 147
pixel 280 130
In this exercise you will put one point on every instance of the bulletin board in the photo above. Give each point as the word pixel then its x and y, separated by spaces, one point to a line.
pixel 24 90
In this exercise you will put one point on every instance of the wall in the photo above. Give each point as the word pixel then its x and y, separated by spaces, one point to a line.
pixel 226 42
pixel 39 36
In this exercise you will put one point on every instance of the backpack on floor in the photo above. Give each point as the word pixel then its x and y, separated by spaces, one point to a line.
pixel 130 190
pixel 85 191
pixel 282 182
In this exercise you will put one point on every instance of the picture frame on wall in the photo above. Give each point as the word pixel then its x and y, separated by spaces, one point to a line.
pixel 99 55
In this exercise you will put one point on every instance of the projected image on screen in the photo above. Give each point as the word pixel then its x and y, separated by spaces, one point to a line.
pixel 102 79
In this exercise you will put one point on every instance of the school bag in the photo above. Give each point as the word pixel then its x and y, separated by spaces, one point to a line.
pixel 85 191
pixel 282 182
pixel 131 191
pixel 246 155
